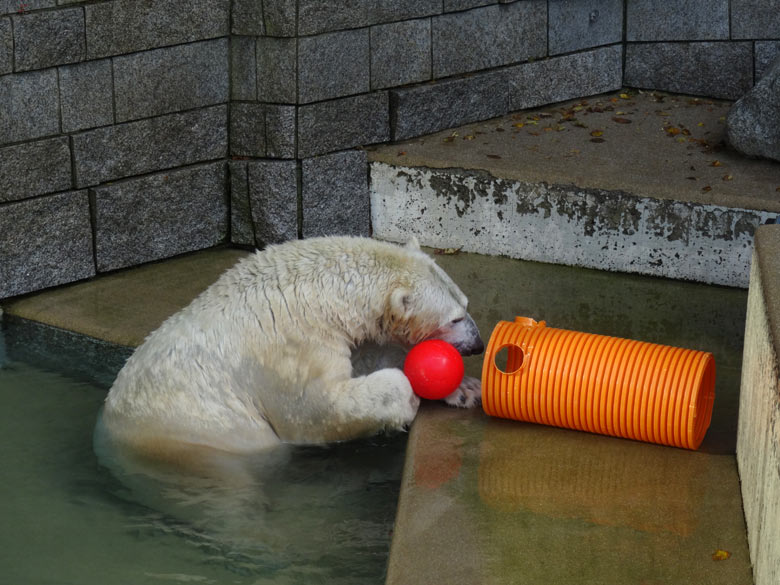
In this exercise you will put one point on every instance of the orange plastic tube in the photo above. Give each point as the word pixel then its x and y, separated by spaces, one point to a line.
pixel 600 384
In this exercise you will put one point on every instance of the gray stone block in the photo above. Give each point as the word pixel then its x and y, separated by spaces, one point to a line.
pixel 125 26
pixel 333 65
pixel 343 123
pixel 576 25
pixel 721 70
pixel 280 131
pixel 247 130
pixel 46 241
pixel 677 20
pixel 243 68
pixel 247 17
pixel 34 168
pixel 276 70
pixel 273 198
pixel 765 53
pixel 432 107
pixel 334 191
pixel 281 17
pixel 124 150
pixel 755 19
pixel 13 6
pixel 489 37
pixel 753 123
pixel 400 53
pixel 44 39
pixel 29 106
pixel 171 79
pixel 242 231
pixel 6 46
pixel 160 216
pixel 86 95
pixel 455 5
pixel 566 77
pixel 316 16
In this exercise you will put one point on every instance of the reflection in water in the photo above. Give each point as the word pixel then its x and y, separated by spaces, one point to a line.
pixel 295 515
pixel 290 512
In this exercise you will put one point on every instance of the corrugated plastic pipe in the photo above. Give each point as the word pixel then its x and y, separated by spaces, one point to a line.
pixel 600 384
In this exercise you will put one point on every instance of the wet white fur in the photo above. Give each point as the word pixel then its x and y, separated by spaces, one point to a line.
pixel 263 355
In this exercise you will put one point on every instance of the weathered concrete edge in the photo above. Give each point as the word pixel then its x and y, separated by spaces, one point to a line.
pixel 758 435
pixel 563 224
pixel 76 354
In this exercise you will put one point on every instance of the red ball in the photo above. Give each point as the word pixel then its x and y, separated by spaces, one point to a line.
pixel 434 369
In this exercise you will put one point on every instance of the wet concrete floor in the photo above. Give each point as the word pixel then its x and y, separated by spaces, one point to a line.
pixel 486 500
pixel 489 501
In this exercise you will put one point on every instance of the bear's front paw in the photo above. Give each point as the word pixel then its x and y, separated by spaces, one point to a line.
pixel 396 403
pixel 467 395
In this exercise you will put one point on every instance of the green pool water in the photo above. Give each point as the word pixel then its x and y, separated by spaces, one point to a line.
pixel 303 515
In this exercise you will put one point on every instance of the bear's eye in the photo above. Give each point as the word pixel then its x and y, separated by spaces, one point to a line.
pixel 456 321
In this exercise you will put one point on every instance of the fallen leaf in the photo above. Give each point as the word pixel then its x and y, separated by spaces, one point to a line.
pixel 672 130
pixel 597 133
pixel 518 125
pixel 580 124
pixel 716 163
pixel 470 136
pixel 706 188
pixel 621 120
pixel 500 129
pixel 700 124
pixel 447 251
pixel 493 156
pixel 401 153
pixel 691 178
pixel 728 177
pixel 597 140
pixel 720 555
pixel 625 96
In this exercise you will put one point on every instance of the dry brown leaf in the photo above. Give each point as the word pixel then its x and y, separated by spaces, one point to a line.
pixel 721 555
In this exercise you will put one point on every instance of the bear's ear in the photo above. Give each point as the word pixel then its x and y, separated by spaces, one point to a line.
pixel 400 301
pixel 412 243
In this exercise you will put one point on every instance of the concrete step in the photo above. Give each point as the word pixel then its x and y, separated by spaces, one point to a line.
pixel 758 445
pixel 631 181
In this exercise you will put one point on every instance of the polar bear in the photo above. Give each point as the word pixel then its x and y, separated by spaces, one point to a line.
pixel 263 356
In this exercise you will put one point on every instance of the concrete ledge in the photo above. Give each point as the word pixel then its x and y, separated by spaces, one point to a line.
pixel 629 181
pixel 758 437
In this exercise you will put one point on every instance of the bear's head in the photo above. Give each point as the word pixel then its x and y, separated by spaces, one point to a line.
pixel 425 303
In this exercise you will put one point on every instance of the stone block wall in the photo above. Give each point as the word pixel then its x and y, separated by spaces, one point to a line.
pixel 133 130
pixel 113 135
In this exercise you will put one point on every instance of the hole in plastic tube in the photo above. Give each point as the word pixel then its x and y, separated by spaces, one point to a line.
pixel 509 359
